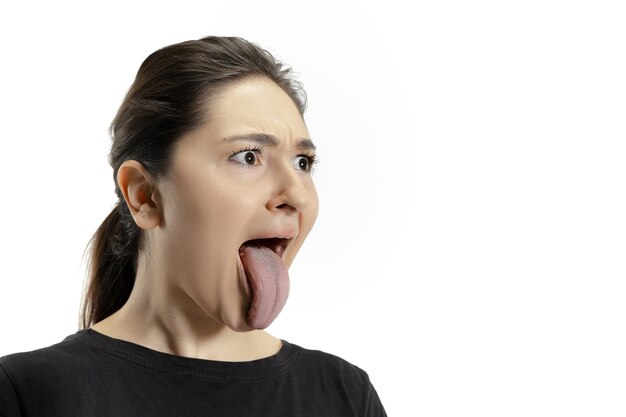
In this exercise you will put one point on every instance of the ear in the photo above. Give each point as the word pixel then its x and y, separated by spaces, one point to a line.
pixel 140 193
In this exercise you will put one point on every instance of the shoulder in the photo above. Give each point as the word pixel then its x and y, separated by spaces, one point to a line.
pixel 332 368
pixel 64 349
pixel 32 377
pixel 46 362
pixel 329 377
pixel 328 360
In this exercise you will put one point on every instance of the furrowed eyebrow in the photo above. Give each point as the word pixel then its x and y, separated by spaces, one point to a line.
pixel 267 140
pixel 305 144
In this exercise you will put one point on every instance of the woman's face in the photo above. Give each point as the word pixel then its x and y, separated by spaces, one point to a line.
pixel 225 189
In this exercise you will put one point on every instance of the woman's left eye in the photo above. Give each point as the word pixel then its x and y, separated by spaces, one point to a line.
pixel 249 157
pixel 304 162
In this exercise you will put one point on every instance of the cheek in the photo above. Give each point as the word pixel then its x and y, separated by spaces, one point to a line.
pixel 210 221
pixel 199 221
pixel 214 206
pixel 307 220
pixel 313 207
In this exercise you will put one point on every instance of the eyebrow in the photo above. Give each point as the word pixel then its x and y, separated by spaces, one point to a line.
pixel 268 140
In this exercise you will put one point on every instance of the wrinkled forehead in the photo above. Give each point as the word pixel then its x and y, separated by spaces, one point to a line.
pixel 255 104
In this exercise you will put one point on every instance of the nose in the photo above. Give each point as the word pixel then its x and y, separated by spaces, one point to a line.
pixel 290 194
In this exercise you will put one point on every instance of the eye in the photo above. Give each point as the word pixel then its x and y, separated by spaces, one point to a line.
pixel 304 162
pixel 249 157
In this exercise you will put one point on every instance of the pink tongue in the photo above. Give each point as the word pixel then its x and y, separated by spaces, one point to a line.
pixel 269 280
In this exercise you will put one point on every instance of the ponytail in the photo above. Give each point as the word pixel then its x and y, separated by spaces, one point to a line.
pixel 112 266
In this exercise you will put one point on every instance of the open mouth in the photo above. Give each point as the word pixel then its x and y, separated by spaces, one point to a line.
pixel 264 279
pixel 276 244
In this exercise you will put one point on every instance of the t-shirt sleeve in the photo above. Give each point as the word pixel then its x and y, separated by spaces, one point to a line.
pixel 355 382
pixel 9 406
pixel 374 406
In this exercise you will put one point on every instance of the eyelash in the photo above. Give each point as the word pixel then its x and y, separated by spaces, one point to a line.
pixel 312 158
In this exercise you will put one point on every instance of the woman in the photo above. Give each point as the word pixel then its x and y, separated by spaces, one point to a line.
pixel 212 164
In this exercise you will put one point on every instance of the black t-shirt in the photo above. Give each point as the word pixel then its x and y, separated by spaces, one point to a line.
pixel 91 374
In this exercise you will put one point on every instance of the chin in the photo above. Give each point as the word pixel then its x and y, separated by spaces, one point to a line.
pixel 238 324
pixel 246 330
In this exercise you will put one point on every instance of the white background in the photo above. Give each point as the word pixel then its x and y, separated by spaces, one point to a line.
pixel 469 252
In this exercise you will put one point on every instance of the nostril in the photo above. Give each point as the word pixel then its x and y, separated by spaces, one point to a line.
pixel 285 206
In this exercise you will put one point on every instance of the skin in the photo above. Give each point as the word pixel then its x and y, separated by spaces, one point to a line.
pixel 190 298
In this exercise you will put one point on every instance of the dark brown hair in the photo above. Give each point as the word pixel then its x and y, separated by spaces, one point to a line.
pixel 170 96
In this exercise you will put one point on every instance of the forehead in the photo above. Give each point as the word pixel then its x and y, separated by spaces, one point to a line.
pixel 256 104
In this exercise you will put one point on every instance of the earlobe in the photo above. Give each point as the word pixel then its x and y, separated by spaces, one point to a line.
pixel 139 191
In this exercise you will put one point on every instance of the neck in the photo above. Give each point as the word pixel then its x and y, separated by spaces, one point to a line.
pixel 167 320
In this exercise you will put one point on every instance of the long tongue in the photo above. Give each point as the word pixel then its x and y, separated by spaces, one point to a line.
pixel 269 280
